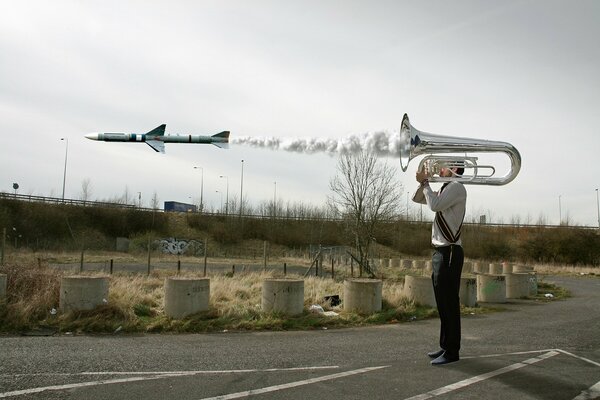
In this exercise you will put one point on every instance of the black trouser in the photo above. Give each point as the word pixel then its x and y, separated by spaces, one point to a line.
pixel 447 265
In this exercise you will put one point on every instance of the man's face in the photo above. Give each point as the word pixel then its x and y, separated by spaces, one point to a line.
pixel 447 172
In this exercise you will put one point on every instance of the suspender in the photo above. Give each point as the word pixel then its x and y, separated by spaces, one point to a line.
pixel 445 228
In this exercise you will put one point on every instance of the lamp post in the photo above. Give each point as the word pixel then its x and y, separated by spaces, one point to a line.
pixel 275 199
pixel 221 207
pixel 227 196
pixel 598 208
pixel 559 211
pixel 242 189
pixel 65 171
pixel 139 199
pixel 201 188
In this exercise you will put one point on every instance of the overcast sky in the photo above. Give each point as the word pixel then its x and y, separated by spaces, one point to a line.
pixel 524 72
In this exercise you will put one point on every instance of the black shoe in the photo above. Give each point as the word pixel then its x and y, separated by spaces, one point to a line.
pixel 436 354
pixel 444 359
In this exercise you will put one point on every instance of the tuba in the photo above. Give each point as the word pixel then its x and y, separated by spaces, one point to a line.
pixel 414 143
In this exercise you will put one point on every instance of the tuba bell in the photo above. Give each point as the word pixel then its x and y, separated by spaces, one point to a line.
pixel 414 143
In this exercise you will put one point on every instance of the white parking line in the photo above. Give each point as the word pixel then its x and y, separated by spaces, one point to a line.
pixel 592 393
pixel 293 384
pixel 482 377
pixel 148 376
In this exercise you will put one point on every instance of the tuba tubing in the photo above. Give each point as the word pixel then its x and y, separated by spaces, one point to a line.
pixel 414 143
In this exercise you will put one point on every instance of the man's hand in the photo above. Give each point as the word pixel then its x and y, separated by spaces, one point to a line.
pixel 422 175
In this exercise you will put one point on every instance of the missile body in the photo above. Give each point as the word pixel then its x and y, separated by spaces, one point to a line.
pixel 156 138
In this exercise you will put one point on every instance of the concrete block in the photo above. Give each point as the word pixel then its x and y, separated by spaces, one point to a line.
pixel 362 295
pixel 186 296
pixel 419 289
pixel 491 288
pixel 283 295
pixel 78 293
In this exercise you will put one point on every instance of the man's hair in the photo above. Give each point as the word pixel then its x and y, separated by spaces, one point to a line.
pixel 460 171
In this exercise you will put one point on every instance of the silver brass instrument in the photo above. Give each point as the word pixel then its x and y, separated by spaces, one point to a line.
pixel 414 143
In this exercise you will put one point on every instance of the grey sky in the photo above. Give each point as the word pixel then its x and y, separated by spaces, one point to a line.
pixel 525 72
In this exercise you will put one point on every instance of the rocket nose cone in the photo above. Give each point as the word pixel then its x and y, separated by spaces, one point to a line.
pixel 92 136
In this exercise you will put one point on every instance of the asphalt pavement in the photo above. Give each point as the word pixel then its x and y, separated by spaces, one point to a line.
pixel 533 350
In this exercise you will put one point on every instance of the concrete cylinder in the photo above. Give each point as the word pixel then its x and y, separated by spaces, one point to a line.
pixel 407 264
pixel 468 291
pixel 495 269
pixel 467 267
pixel 428 268
pixel 186 296
pixel 395 262
pixel 507 268
pixel 419 289
pixel 517 285
pixel 362 295
pixel 82 292
pixel 491 288
pixel 284 296
pixel 3 283
pixel 481 268
pixel 419 264
pixel 522 268
pixel 533 284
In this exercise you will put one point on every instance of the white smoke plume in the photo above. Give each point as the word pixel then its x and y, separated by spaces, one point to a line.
pixel 381 143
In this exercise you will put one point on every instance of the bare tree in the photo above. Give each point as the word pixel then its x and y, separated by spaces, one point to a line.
pixel 155 202
pixel 365 192
pixel 86 189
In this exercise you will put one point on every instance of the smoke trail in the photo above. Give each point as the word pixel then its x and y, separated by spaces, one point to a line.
pixel 381 143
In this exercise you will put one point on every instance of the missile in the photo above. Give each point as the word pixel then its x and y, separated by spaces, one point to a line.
pixel 156 138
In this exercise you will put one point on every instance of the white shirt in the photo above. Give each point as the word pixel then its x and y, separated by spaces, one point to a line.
pixel 450 205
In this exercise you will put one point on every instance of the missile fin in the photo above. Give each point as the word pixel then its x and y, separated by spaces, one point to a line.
pixel 224 135
pixel 221 145
pixel 158 131
pixel 156 145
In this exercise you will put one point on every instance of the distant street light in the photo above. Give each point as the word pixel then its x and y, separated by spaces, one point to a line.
pixel 559 211
pixel 201 189
pixel 242 189
pixel 139 199
pixel 275 199
pixel 220 208
pixel 598 208
pixel 226 197
pixel 65 171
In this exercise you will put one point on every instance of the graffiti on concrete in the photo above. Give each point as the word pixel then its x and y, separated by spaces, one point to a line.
pixel 180 246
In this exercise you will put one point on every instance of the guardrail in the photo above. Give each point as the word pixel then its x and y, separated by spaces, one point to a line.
pixel 93 203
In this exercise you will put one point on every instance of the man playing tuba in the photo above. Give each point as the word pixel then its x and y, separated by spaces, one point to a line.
pixel 449 205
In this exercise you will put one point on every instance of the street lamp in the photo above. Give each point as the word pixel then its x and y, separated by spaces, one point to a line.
pixel 226 197
pixel 242 189
pixel 221 193
pixel 65 171
pixel 201 189
pixel 275 199
pixel 139 199
pixel 559 211
pixel 598 208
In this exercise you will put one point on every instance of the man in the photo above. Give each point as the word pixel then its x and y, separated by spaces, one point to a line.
pixel 449 205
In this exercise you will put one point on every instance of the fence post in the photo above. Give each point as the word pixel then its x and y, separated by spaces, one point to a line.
pixel 284 269
pixel 205 253
pixel 148 256
pixel 3 245
pixel 81 262
pixel 178 266
pixel 233 270
pixel 265 256
pixel 111 266
pixel 352 267
pixel 332 272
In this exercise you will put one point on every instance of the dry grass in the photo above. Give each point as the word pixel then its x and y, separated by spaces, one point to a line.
pixel 135 303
